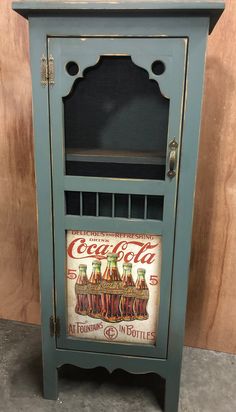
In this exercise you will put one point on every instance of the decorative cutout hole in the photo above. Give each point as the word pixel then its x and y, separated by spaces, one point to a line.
pixel 137 206
pixel 73 205
pixel 72 68
pixel 114 205
pixel 89 203
pixel 105 204
pixel 155 206
pixel 158 67
pixel 121 205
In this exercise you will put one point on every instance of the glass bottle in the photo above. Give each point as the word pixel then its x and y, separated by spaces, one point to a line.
pixel 127 299
pixel 111 285
pixel 81 291
pixel 141 298
pixel 94 298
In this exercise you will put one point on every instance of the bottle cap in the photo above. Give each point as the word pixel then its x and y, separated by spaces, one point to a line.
pixel 96 262
pixel 141 271
pixel 129 265
pixel 82 266
pixel 112 256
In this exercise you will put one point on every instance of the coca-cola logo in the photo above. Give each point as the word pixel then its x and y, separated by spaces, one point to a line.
pixel 128 251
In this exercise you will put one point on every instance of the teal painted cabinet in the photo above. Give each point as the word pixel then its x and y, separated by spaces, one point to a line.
pixel 117 91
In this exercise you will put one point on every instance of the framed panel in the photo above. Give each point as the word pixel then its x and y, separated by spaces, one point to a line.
pixel 144 52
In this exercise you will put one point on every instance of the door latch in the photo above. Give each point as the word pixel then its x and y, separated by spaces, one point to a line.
pixel 173 149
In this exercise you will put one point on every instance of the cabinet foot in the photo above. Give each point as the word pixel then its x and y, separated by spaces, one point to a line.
pixel 172 395
pixel 50 383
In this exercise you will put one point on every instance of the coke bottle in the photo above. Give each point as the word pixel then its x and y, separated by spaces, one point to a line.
pixel 141 298
pixel 94 298
pixel 111 285
pixel 81 290
pixel 127 299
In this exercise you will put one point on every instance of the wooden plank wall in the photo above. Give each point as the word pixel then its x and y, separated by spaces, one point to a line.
pixel 211 315
pixel 211 304
pixel 19 289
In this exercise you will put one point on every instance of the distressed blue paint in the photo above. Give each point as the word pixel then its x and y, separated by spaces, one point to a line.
pixel 111 185
pixel 185 20
pixel 211 9
pixel 143 52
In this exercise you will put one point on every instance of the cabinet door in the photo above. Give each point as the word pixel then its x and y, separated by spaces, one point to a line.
pixel 115 119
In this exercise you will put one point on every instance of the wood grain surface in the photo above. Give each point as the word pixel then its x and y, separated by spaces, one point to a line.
pixel 211 313
pixel 19 290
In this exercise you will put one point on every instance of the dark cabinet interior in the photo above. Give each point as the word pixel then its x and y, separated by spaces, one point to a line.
pixel 116 122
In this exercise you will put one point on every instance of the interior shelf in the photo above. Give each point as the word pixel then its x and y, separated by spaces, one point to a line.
pixel 111 156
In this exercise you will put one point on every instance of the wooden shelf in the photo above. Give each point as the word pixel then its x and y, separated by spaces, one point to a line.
pixel 110 156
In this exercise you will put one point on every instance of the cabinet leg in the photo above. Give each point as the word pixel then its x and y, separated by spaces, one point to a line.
pixel 172 394
pixel 50 382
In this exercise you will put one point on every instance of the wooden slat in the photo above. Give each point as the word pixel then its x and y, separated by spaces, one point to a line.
pixel 19 288
pixel 110 185
pixel 108 224
pixel 108 156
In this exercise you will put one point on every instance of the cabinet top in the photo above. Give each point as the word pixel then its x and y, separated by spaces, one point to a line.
pixel 210 8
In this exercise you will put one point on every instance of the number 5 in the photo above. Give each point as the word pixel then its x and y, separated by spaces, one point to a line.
pixel 71 274
pixel 153 280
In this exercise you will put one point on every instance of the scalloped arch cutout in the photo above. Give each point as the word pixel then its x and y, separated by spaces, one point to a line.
pixel 116 106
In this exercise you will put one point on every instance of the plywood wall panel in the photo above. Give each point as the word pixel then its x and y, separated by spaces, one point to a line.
pixel 19 290
pixel 211 312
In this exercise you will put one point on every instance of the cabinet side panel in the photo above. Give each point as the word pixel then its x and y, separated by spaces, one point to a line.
pixel 188 161
pixel 43 182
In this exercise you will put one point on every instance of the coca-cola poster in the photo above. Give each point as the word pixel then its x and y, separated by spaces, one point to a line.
pixel 113 286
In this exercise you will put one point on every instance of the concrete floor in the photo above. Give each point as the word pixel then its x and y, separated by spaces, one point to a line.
pixel 208 381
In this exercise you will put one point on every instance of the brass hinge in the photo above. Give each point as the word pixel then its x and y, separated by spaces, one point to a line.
pixel 54 324
pixel 47 69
